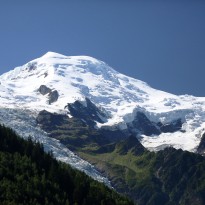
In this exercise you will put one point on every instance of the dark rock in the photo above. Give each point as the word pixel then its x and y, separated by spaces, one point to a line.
pixel 44 90
pixel 89 113
pixel 72 132
pixel 53 96
pixel 201 147
pixel 171 127
pixel 142 125
pixel 50 121
pixel 31 66
pixel 45 75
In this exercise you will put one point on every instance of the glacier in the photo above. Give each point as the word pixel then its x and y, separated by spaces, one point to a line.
pixel 121 96
pixel 24 124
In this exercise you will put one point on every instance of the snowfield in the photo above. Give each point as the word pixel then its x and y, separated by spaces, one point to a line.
pixel 78 77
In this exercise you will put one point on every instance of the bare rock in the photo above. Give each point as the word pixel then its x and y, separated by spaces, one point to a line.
pixel 44 90
pixel 53 96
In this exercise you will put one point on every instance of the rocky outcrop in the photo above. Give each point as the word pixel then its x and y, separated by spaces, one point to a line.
pixel 170 127
pixel 142 125
pixel 44 90
pixel 31 66
pixel 52 95
pixel 201 147
pixel 87 112
pixel 50 121
pixel 72 132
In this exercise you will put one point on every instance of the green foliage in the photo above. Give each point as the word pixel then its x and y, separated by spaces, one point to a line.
pixel 167 177
pixel 28 175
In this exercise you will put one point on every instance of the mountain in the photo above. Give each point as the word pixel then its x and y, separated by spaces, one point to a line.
pixel 107 125
pixel 59 83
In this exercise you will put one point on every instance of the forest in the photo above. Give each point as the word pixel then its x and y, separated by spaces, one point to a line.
pixel 29 176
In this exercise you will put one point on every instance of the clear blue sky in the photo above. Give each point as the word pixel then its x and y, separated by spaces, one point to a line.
pixel 160 42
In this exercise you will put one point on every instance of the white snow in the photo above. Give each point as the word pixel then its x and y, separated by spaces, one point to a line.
pixel 77 77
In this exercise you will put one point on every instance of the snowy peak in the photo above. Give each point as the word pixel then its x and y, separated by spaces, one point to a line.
pixel 59 59
pixel 53 81
pixel 81 76
pixel 56 62
pixel 51 54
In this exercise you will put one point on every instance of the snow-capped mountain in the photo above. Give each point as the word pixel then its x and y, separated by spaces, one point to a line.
pixel 54 81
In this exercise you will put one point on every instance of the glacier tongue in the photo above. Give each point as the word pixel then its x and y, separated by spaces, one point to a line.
pixel 23 122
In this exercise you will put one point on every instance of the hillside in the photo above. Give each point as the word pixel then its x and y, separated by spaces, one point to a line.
pixel 169 176
pixel 28 175
pixel 166 177
pixel 116 129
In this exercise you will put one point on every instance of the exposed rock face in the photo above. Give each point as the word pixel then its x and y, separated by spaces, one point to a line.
pixel 31 66
pixel 142 125
pixel 44 90
pixel 167 171
pixel 171 127
pixel 87 112
pixel 53 95
pixel 50 121
pixel 72 132
pixel 201 147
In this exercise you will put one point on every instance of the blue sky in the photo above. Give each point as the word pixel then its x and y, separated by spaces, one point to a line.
pixel 160 42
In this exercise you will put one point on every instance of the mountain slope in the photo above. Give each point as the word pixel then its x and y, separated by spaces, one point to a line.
pixel 30 176
pixel 79 103
pixel 53 81
pixel 25 125
pixel 166 177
